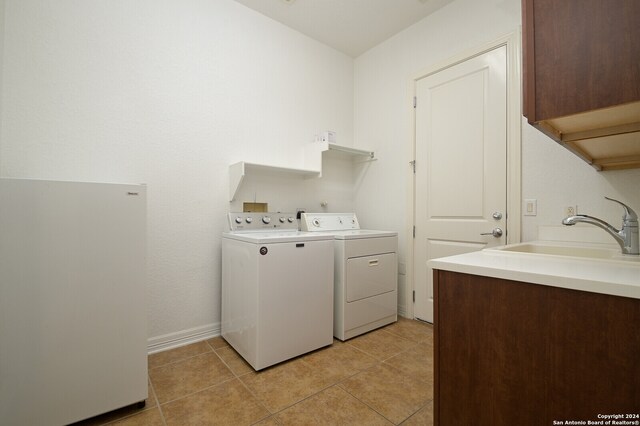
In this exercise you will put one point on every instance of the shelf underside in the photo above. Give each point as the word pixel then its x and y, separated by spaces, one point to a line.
pixel 608 139
pixel 313 161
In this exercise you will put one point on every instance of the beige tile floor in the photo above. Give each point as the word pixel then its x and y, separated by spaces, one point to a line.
pixel 383 377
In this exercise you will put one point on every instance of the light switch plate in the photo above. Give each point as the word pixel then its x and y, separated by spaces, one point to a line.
pixel 530 207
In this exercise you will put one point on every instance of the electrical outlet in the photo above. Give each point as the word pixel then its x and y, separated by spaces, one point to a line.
pixel 570 211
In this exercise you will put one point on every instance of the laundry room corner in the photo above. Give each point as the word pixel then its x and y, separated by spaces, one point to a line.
pixel 169 94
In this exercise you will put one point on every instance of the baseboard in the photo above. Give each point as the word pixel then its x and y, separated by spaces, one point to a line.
pixel 402 311
pixel 182 338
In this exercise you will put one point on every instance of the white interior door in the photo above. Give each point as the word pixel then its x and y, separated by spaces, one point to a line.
pixel 461 165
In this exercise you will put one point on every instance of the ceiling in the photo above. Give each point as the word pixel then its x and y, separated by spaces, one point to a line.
pixel 350 26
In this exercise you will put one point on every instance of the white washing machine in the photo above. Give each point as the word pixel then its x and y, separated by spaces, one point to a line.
pixel 277 288
pixel 365 276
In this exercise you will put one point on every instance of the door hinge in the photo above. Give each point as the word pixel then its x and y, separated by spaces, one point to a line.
pixel 415 101
pixel 413 165
pixel 414 231
pixel 414 296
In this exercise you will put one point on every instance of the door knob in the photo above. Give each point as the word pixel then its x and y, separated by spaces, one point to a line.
pixel 497 215
pixel 497 232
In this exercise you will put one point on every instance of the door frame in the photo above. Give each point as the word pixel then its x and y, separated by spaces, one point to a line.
pixel 512 41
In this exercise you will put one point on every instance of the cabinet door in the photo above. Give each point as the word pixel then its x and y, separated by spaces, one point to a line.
pixel 594 354
pixel 514 353
pixel 579 55
pixel 489 352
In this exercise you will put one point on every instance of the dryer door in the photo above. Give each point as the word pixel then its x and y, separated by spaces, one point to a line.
pixel 371 275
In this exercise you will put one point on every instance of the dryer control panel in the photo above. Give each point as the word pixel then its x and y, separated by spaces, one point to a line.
pixel 328 222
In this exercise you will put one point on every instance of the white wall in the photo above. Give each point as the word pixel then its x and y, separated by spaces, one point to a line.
pixel 2 2
pixel 170 93
pixel 557 179
pixel 382 122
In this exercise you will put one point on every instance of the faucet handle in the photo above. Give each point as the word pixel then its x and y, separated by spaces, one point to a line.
pixel 629 214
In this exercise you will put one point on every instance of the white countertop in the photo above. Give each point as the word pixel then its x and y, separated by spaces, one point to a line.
pixel 613 277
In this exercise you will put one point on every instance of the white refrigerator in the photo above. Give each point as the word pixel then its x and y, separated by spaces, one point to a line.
pixel 73 335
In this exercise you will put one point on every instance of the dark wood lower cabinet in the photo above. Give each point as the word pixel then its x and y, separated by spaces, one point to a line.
pixel 514 353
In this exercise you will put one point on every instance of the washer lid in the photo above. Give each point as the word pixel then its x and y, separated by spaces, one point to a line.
pixel 272 237
pixel 362 233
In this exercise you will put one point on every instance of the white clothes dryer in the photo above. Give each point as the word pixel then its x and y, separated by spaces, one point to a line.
pixel 365 273
pixel 277 288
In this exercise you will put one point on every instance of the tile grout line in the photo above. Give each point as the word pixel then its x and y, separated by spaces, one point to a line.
pixel 181 359
pixel 418 410
pixel 259 401
pixel 299 358
pixel 212 350
pixel 387 364
pixel 376 411
pixel 384 359
pixel 224 362
pixel 237 377
pixel 429 327
pixel 228 365
pixel 339 382
pixel 198 391
pixel 226 345
pixel 384 363
pixel 370 407
pixel 155 395
pixel 322 389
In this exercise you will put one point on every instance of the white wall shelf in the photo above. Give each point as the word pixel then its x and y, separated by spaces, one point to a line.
pixel 312 161
pixel 313 155
pixel 351 151
pixel 239 170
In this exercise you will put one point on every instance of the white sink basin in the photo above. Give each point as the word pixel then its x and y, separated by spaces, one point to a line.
pixel 553 248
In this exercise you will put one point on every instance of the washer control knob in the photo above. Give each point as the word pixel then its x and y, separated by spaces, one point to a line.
pixel 290 219
pixel 316 222
pixel 238 219
pixel 282 219
pixel 266 219
pixel 249 220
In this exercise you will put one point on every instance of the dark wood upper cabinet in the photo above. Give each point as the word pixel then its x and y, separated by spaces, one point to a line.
pixel 582 77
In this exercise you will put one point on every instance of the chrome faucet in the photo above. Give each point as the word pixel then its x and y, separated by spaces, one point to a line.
pixel 627 237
